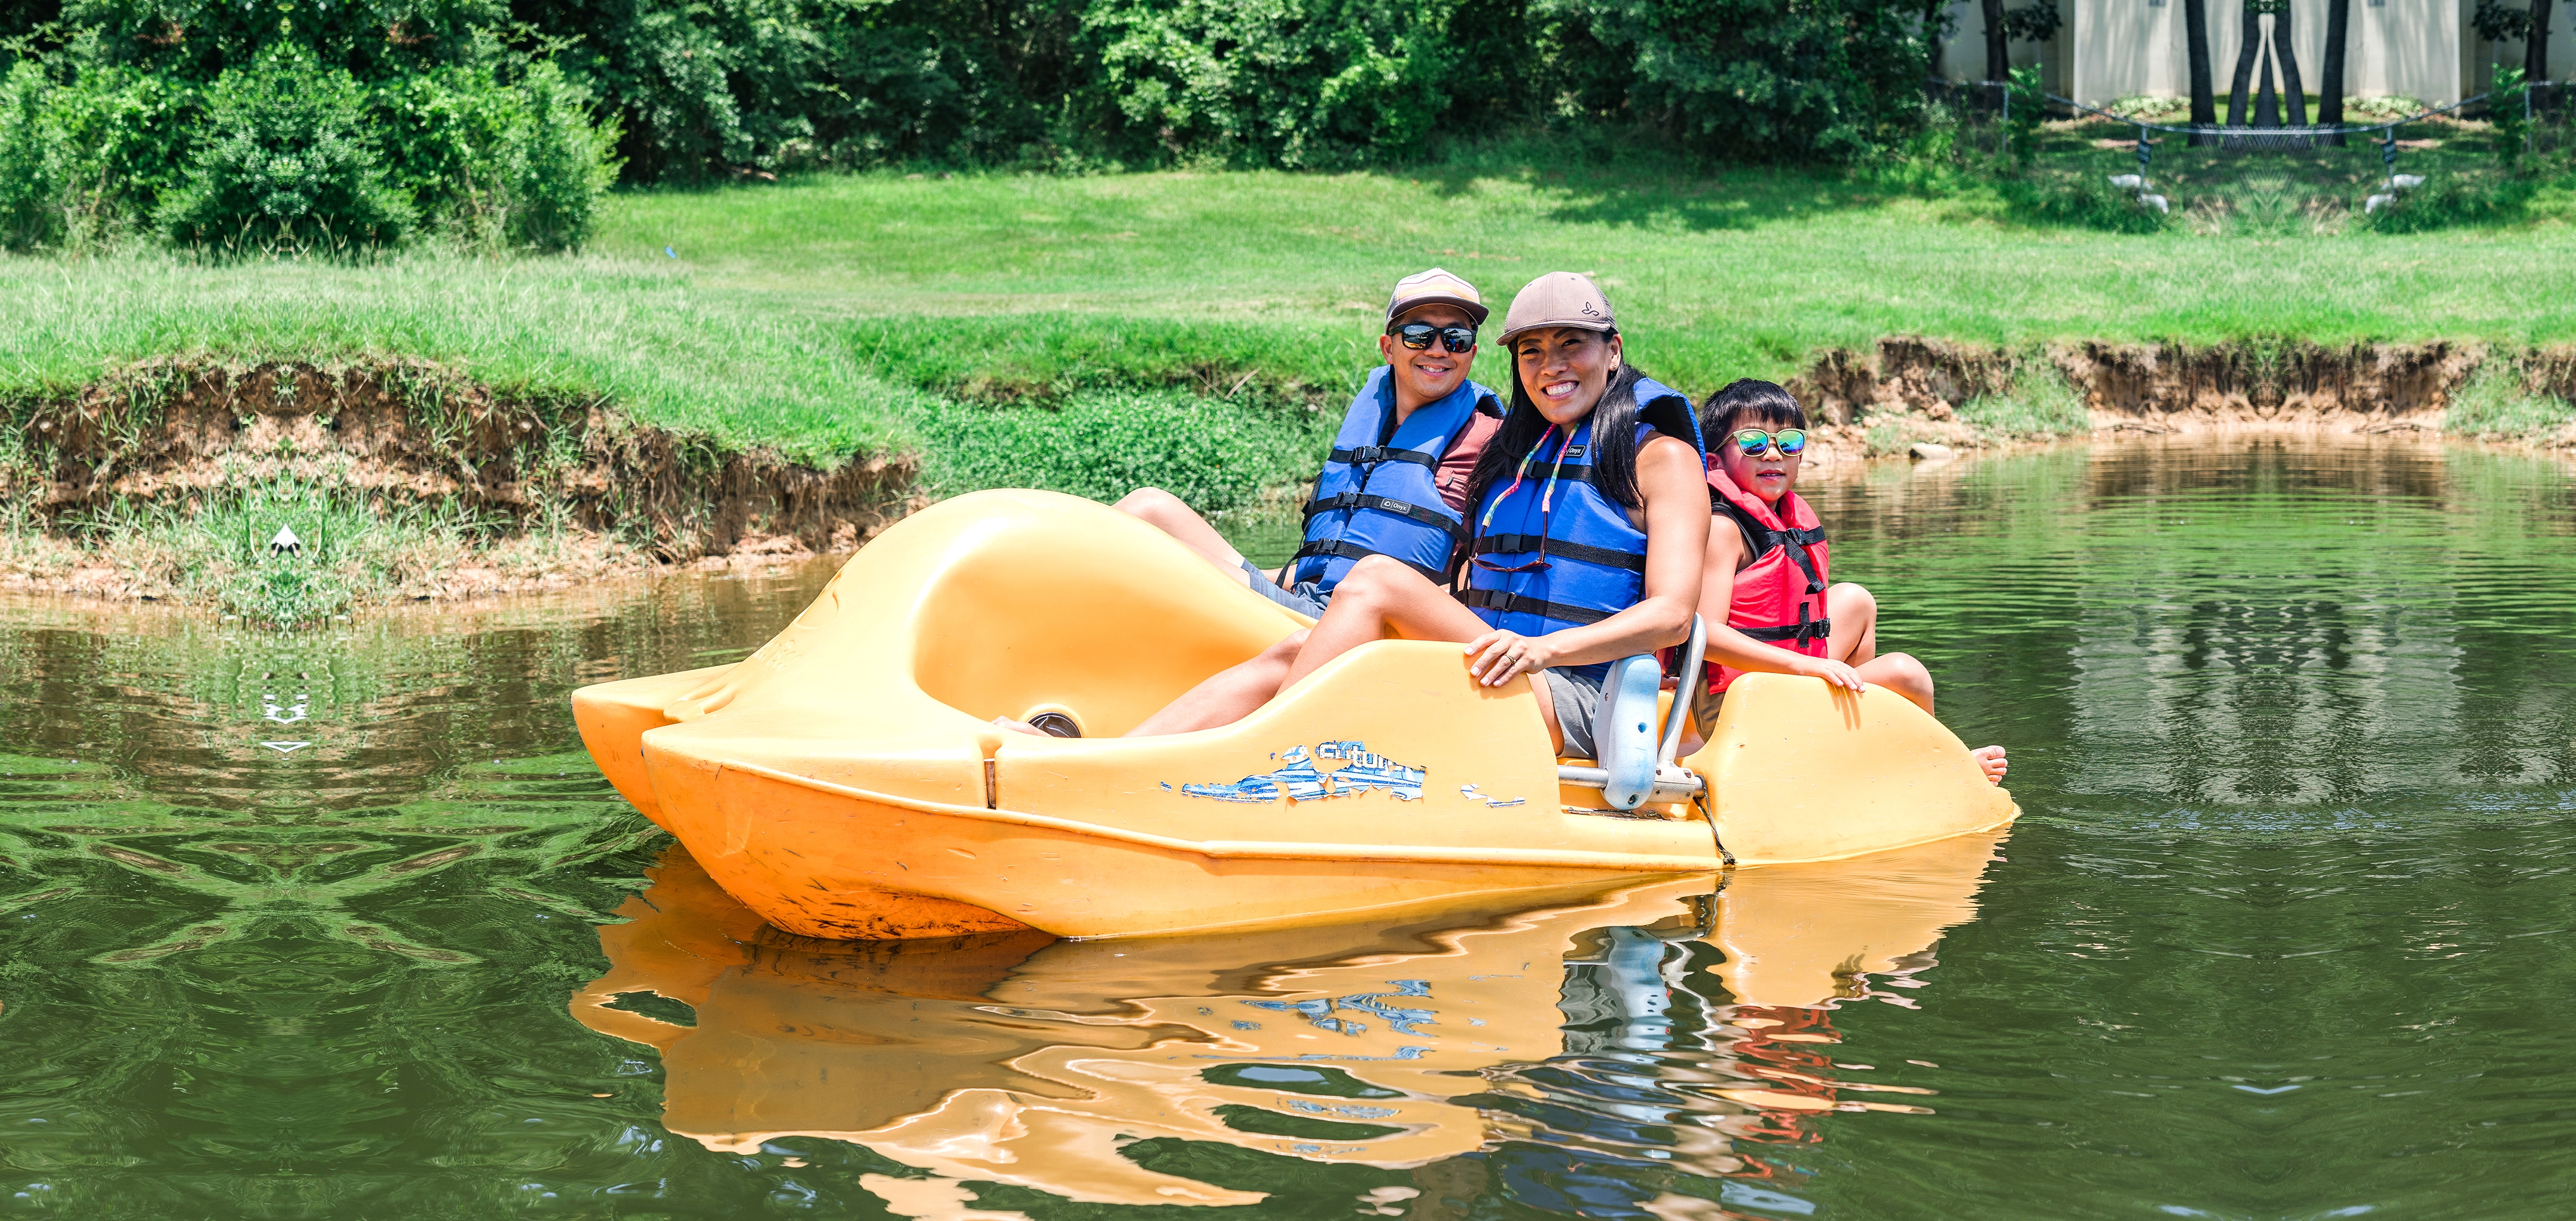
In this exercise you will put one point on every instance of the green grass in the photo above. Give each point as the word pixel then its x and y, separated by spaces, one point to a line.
pixel 642 336
pixel 1214 453
pixel 1027 281
pixel 2496 404
pixel 2041 404
pixel 828 317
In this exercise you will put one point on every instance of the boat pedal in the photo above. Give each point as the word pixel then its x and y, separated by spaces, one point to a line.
pixel 1056 725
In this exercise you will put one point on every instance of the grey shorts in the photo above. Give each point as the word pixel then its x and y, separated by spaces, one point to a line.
pixel 1578 701
pixel 1302 597
pixel 1704 706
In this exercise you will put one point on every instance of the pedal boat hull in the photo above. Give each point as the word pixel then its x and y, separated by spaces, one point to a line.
pixel 844 782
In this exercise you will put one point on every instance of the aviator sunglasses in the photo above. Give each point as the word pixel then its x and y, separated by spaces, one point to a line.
pixel 1754 442
pixel 1418 335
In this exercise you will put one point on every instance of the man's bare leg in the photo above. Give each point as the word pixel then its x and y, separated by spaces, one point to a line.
pixel 1165 512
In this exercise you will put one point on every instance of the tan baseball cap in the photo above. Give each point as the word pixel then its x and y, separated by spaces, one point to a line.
pixel 1436 287
pixel 1559 298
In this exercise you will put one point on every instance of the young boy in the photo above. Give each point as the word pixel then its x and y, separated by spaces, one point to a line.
pixel 1765 596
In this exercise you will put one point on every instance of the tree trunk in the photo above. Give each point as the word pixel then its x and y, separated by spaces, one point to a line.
pixel 1998 55
pixel 2242 90
pixel 2535 46
pixel 2287 47
pixel 1932 34
pixel 2330 88
pixel 2204 101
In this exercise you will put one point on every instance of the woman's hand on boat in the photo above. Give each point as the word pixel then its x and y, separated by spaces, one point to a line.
pixel 1835 673
pixel 1496 658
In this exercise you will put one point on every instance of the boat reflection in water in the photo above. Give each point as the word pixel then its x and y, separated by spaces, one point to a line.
pixel 1577 1030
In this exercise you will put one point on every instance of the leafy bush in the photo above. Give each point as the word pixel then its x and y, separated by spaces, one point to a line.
pixel 557 163
pixel 1273 82
pixel 469 131
pixel 2034 22
pixel 2450 201
pixel 2082 199
pixel 498 165
pixel 122 138
pixel 2025 106
pixel 287 161
pixel 30 196
pixel 2506 97
pixel 1765 80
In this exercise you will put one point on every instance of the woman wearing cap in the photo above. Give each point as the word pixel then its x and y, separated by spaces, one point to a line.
pixel 1591 517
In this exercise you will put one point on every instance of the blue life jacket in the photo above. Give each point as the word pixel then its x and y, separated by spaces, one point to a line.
pixel 1595 558
pixel 1381 499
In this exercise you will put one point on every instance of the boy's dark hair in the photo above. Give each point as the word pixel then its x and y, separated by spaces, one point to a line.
pixel 1747 401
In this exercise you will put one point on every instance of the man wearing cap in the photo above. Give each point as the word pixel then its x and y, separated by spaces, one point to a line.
pixel 1395 485
pixel 1396 482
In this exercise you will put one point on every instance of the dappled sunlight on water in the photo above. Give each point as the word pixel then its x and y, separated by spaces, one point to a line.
pixel 345 924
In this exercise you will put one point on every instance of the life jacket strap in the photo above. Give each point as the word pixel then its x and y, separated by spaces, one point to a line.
pixel 1387 504
pixel 1343 549
pixel 1367 454
pixel 1516 544
pixel 1759 539
pixel 1515 604
pixel 1795 634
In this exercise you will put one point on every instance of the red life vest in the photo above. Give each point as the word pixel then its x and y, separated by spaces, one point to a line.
pixel 1780 596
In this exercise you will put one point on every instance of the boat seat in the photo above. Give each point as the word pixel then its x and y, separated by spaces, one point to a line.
pixel 1636 761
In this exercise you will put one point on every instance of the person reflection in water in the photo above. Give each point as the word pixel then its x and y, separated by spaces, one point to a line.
pixel 1765 594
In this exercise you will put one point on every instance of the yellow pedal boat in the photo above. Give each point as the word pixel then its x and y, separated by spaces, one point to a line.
pixel 844 781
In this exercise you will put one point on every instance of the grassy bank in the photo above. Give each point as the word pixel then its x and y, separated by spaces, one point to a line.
pixel 812 315
pixel 1201 330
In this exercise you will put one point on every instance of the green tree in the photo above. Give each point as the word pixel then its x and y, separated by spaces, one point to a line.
pixel 287 162
pixel 1768 80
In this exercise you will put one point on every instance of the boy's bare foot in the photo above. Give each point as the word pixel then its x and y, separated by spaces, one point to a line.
pixel 1990 758
pixel 1003 722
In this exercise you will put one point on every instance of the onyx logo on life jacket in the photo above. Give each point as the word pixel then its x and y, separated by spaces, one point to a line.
pixel 1780 596
pixel 1377 495
pixel 1552 551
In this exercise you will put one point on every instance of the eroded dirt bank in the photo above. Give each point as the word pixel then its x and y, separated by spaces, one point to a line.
pixel 609 495
pixel 1910 389
pixel 165 431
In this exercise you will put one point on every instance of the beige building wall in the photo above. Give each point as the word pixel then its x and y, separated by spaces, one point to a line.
pixel 2110 49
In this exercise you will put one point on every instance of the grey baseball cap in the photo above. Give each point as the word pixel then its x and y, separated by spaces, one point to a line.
pixel 1436 287
pixel 1559 298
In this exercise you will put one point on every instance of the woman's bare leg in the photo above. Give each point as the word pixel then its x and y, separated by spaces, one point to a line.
pixel 1381 597
pixel 1227 696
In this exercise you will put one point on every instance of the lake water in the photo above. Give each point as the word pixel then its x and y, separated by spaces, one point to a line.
pixel 344 924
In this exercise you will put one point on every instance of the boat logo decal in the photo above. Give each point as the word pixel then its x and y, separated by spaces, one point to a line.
pixel 1492 802
pixel 1298 776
